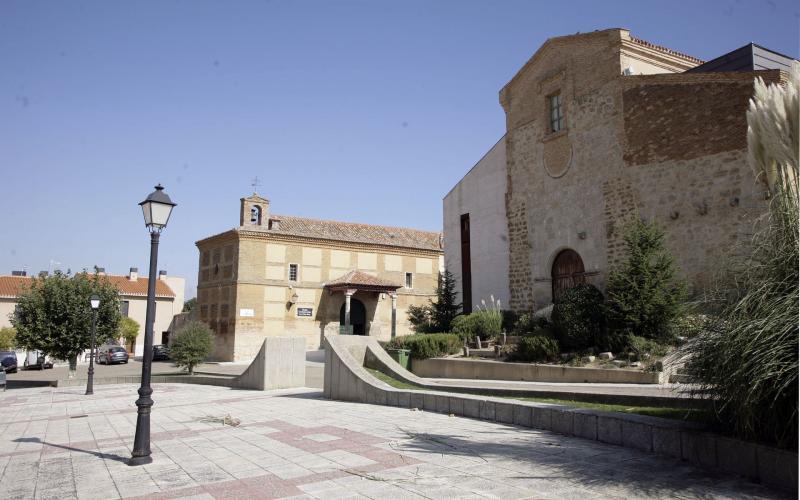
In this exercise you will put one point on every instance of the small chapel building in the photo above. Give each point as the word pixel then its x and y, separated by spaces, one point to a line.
pixel 278 275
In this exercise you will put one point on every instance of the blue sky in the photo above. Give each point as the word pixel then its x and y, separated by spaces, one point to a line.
pixel 359 111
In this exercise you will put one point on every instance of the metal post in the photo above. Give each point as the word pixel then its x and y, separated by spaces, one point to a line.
pixel 141 442
pixel 90 382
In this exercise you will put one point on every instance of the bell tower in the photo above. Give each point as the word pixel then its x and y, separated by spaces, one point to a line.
pixel 254 212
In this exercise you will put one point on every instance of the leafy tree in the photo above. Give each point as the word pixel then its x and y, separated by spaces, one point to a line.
pixel 420 318
pixel 53 314
pixel 189 304
pixel 8 338
pixel 128 330
pixel 445 308
pixel 192 345
pixel 644 295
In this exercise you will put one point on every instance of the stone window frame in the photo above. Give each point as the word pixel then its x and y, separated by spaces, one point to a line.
pixel 296 272
pixel 560 118
pixel 409 281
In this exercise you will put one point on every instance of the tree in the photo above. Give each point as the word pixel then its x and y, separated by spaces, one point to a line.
pixel 445 309
pixel 128 330
pixel 436 316
pixel 8 338
pixel 192 345
pixel 53 314
pixel 189 305
pixel 644 295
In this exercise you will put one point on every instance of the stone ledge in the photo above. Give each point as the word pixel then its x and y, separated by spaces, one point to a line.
pixel 771 466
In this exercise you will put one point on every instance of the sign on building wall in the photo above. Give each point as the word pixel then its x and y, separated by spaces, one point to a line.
pixel 247 313
pixel 305 312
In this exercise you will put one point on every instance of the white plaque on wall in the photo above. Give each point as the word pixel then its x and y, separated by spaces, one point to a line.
pixel 247 313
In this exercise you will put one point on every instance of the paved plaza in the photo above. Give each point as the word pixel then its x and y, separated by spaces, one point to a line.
pixel 59 443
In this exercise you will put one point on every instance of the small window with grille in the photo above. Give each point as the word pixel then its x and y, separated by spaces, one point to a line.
pixel 556 113
pixel 292 272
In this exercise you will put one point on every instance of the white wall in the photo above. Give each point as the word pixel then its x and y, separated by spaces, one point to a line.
pixel 481 194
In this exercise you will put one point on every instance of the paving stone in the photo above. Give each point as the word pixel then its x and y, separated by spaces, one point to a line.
pixel 309 447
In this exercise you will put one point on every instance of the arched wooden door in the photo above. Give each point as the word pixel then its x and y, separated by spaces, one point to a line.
pixel 567 272
pixel 358 316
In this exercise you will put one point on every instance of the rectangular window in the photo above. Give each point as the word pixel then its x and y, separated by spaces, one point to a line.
pixel 409 280
pixel 466 266
pixel 556 113
pixel 292 272
pixel 123 307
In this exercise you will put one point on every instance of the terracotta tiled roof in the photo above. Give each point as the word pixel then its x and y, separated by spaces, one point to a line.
pixel 359 279
pixel 357 233
pixel 10 286
pixel 666 50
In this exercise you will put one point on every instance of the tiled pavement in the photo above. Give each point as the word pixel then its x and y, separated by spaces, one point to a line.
pixel 59 443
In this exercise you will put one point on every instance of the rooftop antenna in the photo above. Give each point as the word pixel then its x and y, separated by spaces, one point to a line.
pixel 255 184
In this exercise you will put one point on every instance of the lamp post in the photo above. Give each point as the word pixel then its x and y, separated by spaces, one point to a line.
pixel 94 301
pixel 156 208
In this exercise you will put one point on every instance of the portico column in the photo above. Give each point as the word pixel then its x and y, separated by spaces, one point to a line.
pixel 394 314
pixel 347 295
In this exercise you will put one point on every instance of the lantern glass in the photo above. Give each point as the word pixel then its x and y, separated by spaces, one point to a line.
pixel 156 209
pixel 94 301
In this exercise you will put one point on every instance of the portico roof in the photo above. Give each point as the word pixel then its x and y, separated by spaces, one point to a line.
pixel 360 280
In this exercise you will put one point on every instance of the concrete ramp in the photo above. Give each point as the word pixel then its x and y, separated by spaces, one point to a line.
pixel 346 379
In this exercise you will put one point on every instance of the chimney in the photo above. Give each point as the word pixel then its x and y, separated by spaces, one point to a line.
pixel 162 275
pixel 275 223
pixel 43 274
pixel 101 271
pixel 133 274
pixel 19 273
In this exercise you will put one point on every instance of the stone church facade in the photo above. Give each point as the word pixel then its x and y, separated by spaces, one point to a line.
pixel 281 275
pixel 604 126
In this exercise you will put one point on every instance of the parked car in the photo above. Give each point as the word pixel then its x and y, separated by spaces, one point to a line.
pixel 108 355
pixel 36 360
pixel 160 353
pixel 8 360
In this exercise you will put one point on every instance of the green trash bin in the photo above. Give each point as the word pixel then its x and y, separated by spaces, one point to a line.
pixel 402 356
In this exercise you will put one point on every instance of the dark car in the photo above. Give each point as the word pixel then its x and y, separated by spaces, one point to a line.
pixel 112 354
pixel 8 360
pixel 160 353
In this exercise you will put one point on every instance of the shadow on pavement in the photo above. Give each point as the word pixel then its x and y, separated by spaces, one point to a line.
pixel 106 456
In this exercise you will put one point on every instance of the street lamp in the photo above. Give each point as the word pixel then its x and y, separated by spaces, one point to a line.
pixel 156 208
pixel 94 301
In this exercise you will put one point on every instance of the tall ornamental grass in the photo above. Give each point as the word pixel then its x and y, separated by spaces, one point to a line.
pixel 746 359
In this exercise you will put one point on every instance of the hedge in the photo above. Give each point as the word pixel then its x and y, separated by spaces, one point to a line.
pixel 428 345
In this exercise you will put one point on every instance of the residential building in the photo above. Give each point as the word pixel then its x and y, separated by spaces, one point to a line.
pixel 133 301
pixel 280 275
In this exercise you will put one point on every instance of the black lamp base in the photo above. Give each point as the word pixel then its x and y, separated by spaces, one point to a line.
pixel 147 459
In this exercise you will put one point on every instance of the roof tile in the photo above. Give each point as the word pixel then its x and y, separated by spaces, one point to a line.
pixel 11 286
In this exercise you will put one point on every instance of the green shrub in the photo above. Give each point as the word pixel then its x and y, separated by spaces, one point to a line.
pixel 642 348
pixel 429 345
pixel 536 348
pixel 579 317
pixel 465 327
pixel 192 345
pixel 510 319
pixel 8 338
pixel 420 318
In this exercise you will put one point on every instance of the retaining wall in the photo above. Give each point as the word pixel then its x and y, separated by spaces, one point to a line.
pixel 496 370
pixel 346 379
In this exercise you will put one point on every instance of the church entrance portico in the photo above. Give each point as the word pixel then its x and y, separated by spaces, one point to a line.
pixel 353 313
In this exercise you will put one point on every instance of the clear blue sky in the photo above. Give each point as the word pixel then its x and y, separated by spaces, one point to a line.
pixel 359 111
